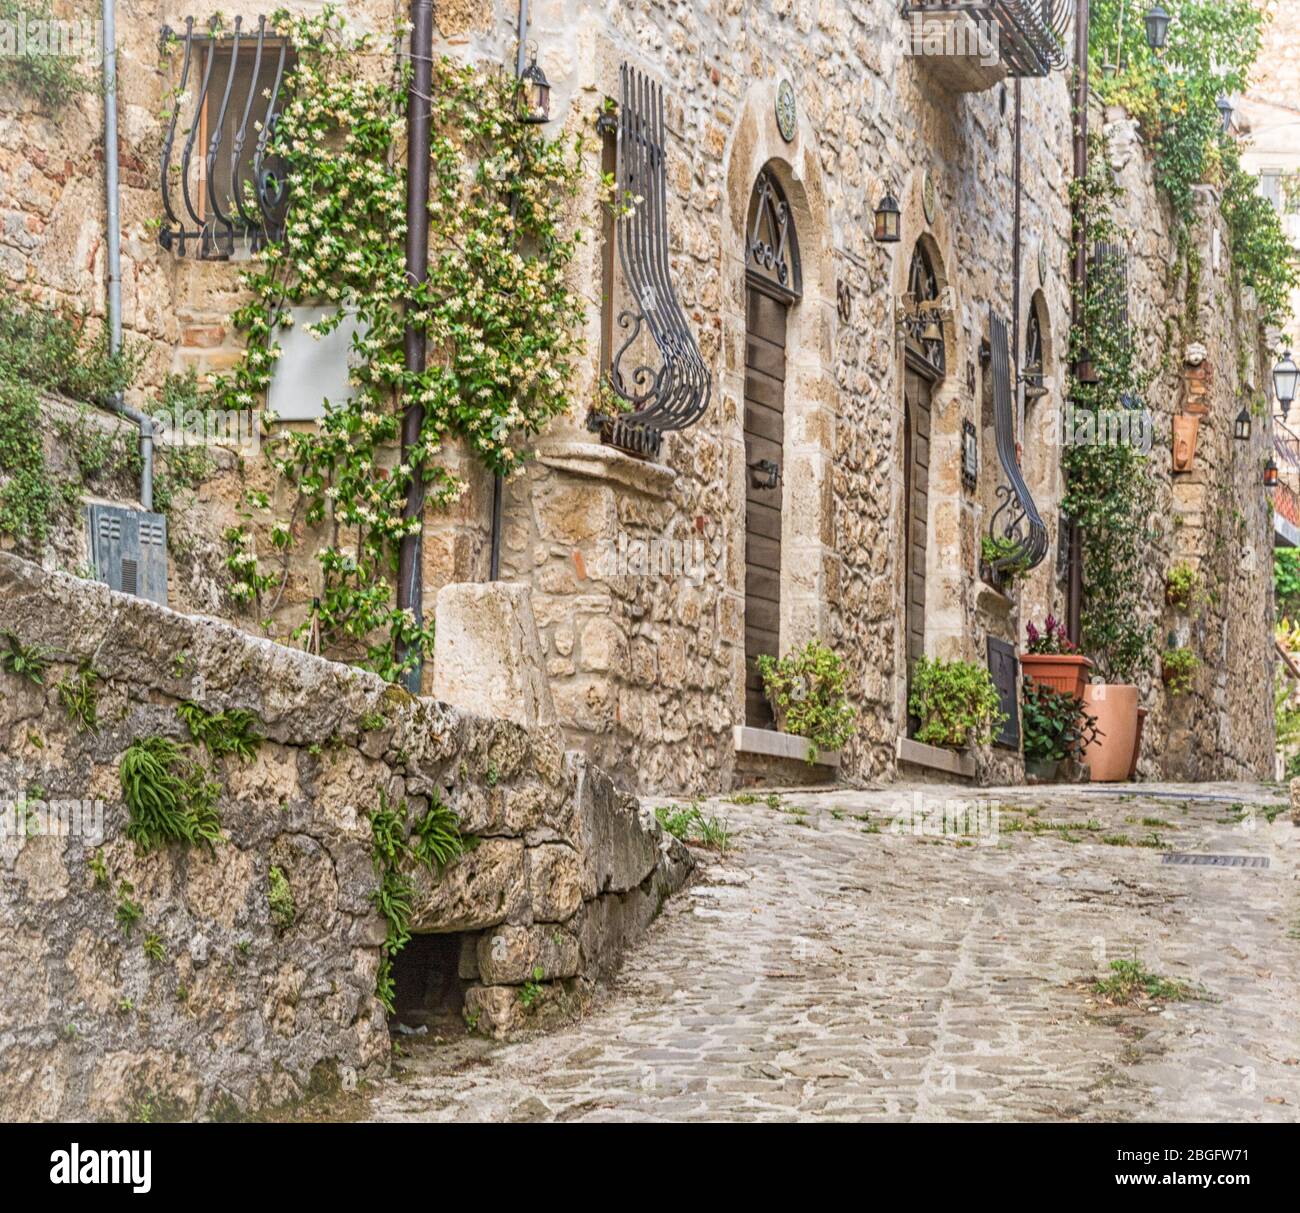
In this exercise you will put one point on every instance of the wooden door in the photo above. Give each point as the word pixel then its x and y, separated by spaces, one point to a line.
pixel 916 497
pixel 764 448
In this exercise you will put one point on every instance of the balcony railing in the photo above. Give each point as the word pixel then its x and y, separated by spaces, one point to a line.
pixel 1030 33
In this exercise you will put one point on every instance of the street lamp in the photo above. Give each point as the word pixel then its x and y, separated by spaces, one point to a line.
pixel 1285 375
pixel 1224 106
pixel 1241 427
pixel 1157 23
pixel 888 220
pixel 1270 474
pixel 535 96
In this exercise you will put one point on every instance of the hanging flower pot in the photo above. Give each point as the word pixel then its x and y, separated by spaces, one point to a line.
pixel 1186 427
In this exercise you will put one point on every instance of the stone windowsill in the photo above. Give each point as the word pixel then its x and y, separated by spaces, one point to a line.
pixel 936 758
pixel 774 744
pixel 601 462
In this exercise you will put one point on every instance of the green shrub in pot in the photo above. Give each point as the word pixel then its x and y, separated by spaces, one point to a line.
pixel 956 703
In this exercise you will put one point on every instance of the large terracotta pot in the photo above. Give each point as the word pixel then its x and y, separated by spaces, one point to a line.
pixel 1115 705
pixel 1066 672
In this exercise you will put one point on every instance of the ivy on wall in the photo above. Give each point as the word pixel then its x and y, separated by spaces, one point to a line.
pixel 50 79
pixel 1173 93
pixel 497 311
pixel 1109 491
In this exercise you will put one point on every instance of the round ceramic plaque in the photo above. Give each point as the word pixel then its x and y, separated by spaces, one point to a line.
pixel 785 110
pixel 928 201
pixel 1042 263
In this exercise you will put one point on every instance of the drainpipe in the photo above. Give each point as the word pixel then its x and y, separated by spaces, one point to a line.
pixel 1078 284
pixel 410 574
pixel 114 240
pixel 498 481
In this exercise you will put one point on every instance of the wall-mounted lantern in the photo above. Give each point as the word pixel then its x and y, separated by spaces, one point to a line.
pixel 1224 106
pixel 535 95
pixel 1157 23
pixel 1285 375
pixel 888 220
pixel 1270 474
pixel 1241 427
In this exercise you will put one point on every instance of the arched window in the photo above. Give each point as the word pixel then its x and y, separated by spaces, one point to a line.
pixel 923 325
pixel 772 258
pixel 1034 385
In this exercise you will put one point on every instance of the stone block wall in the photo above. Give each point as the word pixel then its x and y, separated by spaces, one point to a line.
pixel 210 1003
pixel 1201 330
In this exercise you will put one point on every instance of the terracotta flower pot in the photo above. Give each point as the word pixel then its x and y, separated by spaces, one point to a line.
pixel 1066 672
pixel 1115 705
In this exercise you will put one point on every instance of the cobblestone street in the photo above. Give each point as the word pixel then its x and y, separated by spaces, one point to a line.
pixel 832 966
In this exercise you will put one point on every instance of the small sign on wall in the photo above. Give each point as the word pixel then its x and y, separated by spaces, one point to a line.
pixel 311 369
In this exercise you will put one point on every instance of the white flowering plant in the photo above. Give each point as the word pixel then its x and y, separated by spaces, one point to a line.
pixel 500 321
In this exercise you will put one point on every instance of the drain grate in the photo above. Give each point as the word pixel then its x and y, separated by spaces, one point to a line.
pixel 1216 861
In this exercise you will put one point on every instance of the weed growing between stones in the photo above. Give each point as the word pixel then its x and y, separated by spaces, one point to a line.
pixel 169 797
pixel 279 897
pixel 128 912
pixel 79 695
pixel 433 842
pixel 1130 983
pixel 226 732
pixel 690 825
pixel 30 661
pixel 531 990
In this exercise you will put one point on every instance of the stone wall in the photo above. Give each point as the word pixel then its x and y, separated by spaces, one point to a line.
pixel 1216 517
pixel 228 1007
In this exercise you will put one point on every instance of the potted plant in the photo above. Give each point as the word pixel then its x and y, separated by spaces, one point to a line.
pixel 1056 727
pixel 998 547
pixel 1178 668
pixel 956 703
pixel 1182 586
pixel 806 691
pixel 1051 660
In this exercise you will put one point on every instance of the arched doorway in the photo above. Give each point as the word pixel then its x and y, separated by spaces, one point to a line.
pixel 924 360
pixel 772 286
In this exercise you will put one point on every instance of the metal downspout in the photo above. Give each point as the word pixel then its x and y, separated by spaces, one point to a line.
pixel 1078 284
pixel 114 249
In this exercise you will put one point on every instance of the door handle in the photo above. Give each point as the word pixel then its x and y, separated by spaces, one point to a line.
pixel 764 474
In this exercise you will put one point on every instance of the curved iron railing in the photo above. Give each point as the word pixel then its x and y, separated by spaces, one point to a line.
pixel 253 210
pixel 1031 33
pixel 676 394
pixel 1016 517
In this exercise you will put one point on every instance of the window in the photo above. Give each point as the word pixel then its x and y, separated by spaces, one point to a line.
pixel 222 192
pixel 1270 185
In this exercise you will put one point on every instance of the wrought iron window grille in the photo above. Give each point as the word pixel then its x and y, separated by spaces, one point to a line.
pixel 1016 517
pixel 1030 33
pixel 1033 372
pixel 772 247
pixel 673 395
pixel 224 190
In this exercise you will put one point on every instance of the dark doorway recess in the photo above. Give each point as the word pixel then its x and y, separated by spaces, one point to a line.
pixel 427 985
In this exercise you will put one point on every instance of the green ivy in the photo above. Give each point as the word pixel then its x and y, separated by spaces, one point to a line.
pixel 1286 581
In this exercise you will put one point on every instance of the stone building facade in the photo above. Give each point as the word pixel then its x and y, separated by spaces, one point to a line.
pixel 639 567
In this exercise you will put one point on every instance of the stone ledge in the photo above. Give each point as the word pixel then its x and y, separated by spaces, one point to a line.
pixel 936 758
pixel 779 745
pixel 597 461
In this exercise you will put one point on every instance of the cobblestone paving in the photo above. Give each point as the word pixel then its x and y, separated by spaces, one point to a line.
pixel 832 967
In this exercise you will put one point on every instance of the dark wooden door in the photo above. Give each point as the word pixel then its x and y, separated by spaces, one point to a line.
pixel 916 497
pixel 764 441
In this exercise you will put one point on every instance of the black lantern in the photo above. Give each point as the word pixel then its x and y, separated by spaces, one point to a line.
pixel 1270 474
pixel 1157 23
pixel 1285 375
pixel 888 220
pixel 1241 427
pixel 1085 371
pixel 535 95
pixel 1224 106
